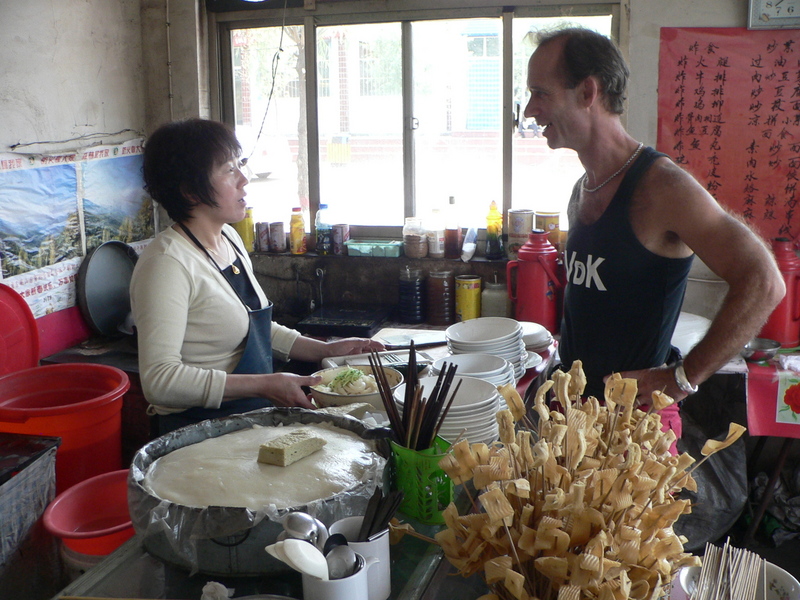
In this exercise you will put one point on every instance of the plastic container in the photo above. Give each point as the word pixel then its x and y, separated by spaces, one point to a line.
pixel 494 233
pixel 435 234
pixel 297 232
pixel 79 402
pixel 92 517
pixel 494 300
pixel 324 231
pixel 385 248
pixel 427 488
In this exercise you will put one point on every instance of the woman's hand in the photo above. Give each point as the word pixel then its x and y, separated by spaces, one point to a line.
pixel 284 389
pixel 353 345
pixel 311 350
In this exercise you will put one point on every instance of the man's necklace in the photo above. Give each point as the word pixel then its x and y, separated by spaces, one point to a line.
pixel 227 258
pixel 620 170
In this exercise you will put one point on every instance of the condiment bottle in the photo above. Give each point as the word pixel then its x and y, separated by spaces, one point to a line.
pixel 297 232
pixel 435 227
pixel 494 300
pixel 324 231
pixel 441 298
pixel 494 233
pixel 410 308
pixel 246 230
pixel 415 242
pixel 452 231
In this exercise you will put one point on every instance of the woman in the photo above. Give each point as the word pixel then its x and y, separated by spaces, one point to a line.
pixel 204 325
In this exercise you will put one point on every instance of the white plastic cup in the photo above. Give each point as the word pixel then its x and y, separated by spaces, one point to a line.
pixel 380 575
pixel 355 587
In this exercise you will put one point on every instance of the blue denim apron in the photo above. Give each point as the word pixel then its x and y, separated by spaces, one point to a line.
pixel 256 357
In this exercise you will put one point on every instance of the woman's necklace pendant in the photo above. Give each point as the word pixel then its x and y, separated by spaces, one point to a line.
pixel 235 269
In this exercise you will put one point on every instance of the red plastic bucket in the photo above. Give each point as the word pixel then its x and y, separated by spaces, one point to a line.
pixel 92 516
pixel 80 403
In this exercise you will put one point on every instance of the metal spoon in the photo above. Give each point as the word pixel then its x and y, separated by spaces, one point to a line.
pixel 341 562
pixel 337 539
pixel 301 526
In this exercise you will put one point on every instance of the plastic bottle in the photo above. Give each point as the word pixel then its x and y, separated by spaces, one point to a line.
pixel 324 231
pixel 494 233
pixel 297 232
pixel 452 231
pixel 470 244
pixel 246 230
pixel 435 227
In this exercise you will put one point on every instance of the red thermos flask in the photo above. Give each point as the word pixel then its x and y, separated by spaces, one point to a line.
pixel 783 324
pixel 534 284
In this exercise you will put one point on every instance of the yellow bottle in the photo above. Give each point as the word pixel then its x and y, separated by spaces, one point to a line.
pixel 494 233
pixel 297 232
pixel 246 230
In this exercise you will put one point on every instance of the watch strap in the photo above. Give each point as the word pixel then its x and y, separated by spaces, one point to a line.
pixel 682 381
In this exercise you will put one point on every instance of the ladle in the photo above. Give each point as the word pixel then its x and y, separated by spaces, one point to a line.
pixel 306 558
pixel 301 526
pixel 337 539
pixel 341 561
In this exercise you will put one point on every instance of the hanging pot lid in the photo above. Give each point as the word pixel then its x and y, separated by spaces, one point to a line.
pixel 102 287
pixel 19 334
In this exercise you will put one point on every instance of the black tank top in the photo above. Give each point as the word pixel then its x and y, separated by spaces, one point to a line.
pixel 621 301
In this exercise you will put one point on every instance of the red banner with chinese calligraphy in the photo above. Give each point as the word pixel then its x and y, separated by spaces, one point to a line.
pixel 729 113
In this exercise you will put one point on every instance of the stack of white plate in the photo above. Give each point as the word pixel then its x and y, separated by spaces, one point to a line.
pixel 473 411
pixel 498 336
pixel 494 369
pixel 535 336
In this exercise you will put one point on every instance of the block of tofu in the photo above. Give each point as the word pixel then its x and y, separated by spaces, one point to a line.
pixel 356 409
pixel 289 448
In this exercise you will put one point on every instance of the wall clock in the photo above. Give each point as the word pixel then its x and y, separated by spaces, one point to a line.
pixel 774 14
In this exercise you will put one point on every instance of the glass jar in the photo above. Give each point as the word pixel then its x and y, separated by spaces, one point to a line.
pixel 411 302
pixel 441 298
pixel 415 241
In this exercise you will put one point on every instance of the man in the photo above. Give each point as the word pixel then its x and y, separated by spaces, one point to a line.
pixel 636 221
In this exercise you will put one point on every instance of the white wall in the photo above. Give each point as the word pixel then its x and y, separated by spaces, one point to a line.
pixel 646 19
pixel 70 69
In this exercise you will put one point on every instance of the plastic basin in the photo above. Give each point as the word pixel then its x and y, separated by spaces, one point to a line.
pixel 80 403
pixel 92 516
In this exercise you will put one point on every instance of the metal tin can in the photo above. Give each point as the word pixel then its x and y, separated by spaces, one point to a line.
pixel 277 237
pixel 340 234
pixel 468 297
pixel 520 225
pixel 262 237
pixel 549 222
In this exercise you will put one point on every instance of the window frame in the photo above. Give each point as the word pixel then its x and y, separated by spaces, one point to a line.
pixel 350 12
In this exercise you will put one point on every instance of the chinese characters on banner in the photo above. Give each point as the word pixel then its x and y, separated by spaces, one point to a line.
pixel 729 113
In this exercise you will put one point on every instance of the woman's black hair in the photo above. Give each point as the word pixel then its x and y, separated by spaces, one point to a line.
pixel 178 161
pixel 588 53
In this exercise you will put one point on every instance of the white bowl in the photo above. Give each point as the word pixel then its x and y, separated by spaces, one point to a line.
pixel 473 365
pixel 780 584
pixel 534 334
pixel 323 398
pixel 473 392
pixel 483 329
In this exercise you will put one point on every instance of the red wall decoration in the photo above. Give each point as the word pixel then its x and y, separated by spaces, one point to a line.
pixel 729 113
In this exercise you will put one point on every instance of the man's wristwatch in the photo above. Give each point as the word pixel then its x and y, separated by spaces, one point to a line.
pixel 682 381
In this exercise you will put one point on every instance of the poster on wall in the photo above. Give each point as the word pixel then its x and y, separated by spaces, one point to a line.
pixel 729 113
pixel 56 208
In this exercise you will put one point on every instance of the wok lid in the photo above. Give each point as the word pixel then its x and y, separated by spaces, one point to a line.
pixel 102 287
